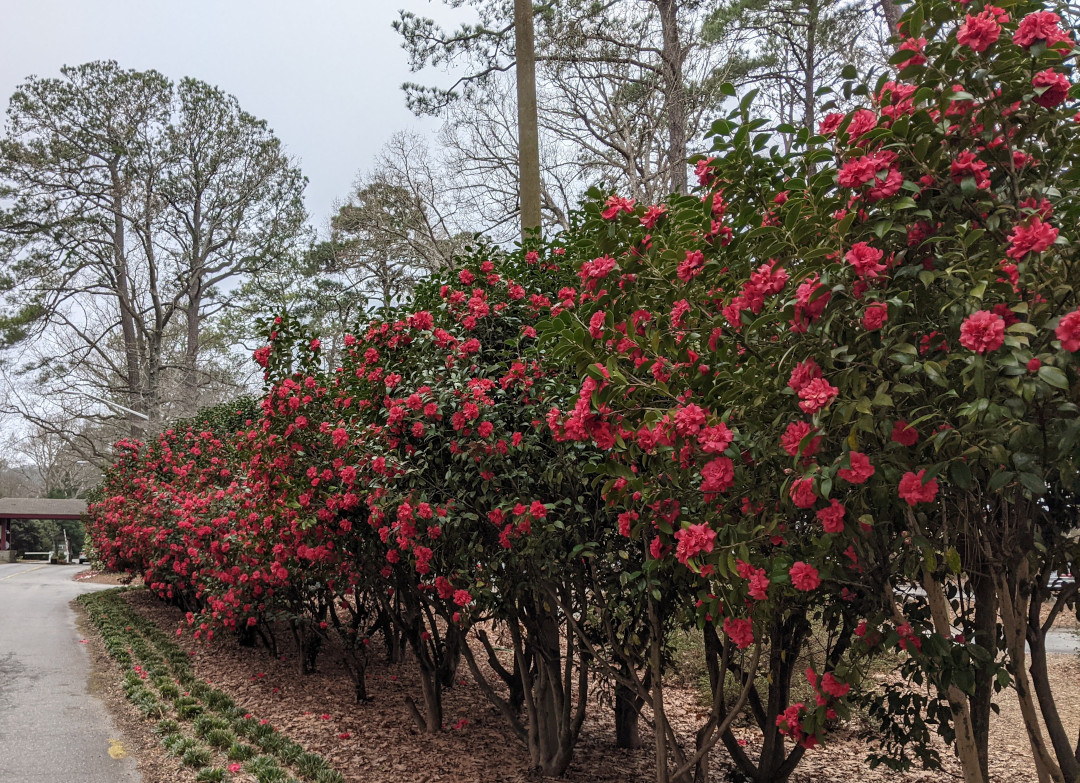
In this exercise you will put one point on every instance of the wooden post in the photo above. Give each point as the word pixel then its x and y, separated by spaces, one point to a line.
pixel 4 535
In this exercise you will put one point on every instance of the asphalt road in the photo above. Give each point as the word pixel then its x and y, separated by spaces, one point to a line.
pixel 52 730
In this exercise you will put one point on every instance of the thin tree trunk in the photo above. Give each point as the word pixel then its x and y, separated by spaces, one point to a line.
pixel 966 745
pixel 986 614
pixel 1015 625
pixel 528 122
pixel 675 92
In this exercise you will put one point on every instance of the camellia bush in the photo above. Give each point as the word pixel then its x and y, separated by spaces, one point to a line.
pixel 822 409
pixel 850 368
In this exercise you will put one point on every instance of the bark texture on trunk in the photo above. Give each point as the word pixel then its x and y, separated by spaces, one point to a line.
pixel 528 123
pixel 676 92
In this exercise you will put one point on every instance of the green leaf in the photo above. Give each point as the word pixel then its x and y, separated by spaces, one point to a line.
pixel 1053 376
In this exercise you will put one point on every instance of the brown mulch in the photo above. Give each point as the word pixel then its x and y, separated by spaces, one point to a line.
pixel 378 741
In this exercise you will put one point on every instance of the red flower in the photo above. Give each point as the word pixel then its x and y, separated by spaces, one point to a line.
pixel 689 420
pixel 1035 237
pixel 693 540
pixel 462 597
pixel 832 518
pixel 1051 87
pixel 715 439
pixel 915 46
pixel 653 214
pixel 913 490
pixel 860 469
pixel 983 331
pixel 833 687
pixel 980 30
pixel 817 394
pixel 865 259
pixel 1034 364
pixel 967 164
pixel 616 204
pixel 804 372
pixel 262 355
pixel 802 493
pixel 739 631
pixel 904 434
pixel 804 576
pixel 875 316
pixel 717 475
pixel 796 433
pixel 691 266
pixel 1040 26
pixel 1068 331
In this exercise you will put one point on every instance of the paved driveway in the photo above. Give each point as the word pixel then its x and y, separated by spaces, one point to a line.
pixel 52 730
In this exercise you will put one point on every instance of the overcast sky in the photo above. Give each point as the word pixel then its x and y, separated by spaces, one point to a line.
pixel 325 74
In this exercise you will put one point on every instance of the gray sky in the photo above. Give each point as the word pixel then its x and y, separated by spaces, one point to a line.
pixel 325 74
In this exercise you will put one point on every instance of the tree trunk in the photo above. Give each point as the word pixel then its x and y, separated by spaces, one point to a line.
pixel 659 718
pixel 627 712
pixel 809 99
pixel 675 90
pixel 892 13
pixel 1015 625
pixel 127 310
pixel 528 122
pixel 191 352
pixel 986 614
pixel 966 745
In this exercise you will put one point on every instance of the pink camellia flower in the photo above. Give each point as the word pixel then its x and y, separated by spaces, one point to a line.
pixel 804 577
pixel 1034 364
pixel 804 372
pixel 689 420
pixel 983 331
pixel 915 46
pixel 1040 26
pixel 967 164
pixel 865 259
pixel 914 491
pixel 234 767
pixel 834 687
pixel 1053 86
pixel 462 597
pixel 860 469
pixel 596 325
pixel 904 434
pixel 715 439
pixel 691 266
pixel 616 204
pixel 832 121
pixel 875 316
pixel 739 631
pixel 1035 237
pixel 694 540
pixel 832 518
pixel 817 394
pixel 1068 331
pixel 717 475
pixel 796 433
pixel 980 30
pixel 802 493
pixel 862 122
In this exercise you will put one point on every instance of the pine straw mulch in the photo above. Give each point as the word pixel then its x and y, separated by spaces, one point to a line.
pixel 378 741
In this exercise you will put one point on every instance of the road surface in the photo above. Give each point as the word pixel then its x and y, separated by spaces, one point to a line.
pixel 52 730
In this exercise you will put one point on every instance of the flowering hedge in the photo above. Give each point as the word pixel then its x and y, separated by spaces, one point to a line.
pixel 852 365
pixel 764 409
